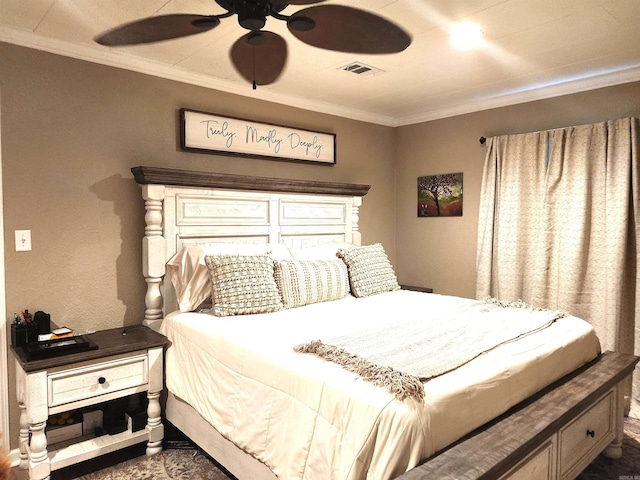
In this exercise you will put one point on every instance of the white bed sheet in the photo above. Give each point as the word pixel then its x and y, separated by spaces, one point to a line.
pixel 306 418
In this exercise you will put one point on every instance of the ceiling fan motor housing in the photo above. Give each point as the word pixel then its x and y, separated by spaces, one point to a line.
pixel 252 14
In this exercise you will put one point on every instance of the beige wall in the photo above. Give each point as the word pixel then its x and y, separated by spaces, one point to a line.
pixel 72 130
pixel 440 252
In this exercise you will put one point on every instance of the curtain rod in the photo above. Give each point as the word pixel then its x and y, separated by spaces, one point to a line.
pixel 483 139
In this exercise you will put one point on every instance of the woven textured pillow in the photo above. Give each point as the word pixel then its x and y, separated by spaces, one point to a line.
pixel 370 271
pixel 243 284
pixel 302 282
pixel 190 276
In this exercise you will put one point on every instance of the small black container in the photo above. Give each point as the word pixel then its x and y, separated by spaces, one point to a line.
pixel 43 321
pixel 23 334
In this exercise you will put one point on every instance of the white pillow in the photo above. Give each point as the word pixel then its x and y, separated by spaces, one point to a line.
pixel 324 251
pixel 190 276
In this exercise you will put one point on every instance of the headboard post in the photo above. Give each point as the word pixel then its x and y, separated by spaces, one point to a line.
pixel 355 218
pixel 153 253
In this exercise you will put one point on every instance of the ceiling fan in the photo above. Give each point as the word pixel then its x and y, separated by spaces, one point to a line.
pixel 260 56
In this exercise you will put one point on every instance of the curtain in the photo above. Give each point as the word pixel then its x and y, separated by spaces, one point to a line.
pixel 558 227
pixel 510 210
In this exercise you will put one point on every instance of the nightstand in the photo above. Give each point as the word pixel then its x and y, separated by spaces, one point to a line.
pixel 417 289
pixel 124 364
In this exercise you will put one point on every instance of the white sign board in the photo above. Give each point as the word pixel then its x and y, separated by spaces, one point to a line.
pixel 234 136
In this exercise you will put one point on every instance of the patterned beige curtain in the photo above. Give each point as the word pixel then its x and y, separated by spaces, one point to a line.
pixel 573 200
pixel 510 213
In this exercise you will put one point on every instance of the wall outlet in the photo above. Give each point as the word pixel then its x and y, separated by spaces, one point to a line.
pixel 23 240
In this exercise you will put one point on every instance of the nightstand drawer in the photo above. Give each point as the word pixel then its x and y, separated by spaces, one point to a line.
pixel 86 382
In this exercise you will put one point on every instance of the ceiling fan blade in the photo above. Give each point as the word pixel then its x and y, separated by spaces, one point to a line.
pixel 304 2
pixel 347 29
pixel 156 29
pixel 259 56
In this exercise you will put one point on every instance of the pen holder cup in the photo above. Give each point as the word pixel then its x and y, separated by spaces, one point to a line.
pixel 23 334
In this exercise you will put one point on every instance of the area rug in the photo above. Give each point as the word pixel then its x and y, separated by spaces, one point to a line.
pixel 172 464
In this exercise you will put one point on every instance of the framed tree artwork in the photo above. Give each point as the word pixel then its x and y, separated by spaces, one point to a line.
pixel 440 195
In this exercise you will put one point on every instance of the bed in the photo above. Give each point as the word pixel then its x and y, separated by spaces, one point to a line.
pixel 239 389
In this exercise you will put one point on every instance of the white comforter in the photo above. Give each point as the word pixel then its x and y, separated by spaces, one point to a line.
pixel 306 418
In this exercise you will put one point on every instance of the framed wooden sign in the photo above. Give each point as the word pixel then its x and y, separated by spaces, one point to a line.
pixel 211 133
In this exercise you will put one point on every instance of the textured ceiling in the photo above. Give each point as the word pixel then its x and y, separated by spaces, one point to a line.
pixel 532 49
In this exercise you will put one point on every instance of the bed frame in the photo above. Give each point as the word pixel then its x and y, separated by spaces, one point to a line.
pixel 553 435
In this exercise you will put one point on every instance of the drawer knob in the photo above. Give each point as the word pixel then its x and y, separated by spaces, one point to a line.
pixel 102 380
pixel 591 433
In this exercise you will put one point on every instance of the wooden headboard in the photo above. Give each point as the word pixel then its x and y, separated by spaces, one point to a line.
pixel 187 207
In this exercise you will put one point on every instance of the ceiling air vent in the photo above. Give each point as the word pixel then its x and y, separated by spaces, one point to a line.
pixel 360 69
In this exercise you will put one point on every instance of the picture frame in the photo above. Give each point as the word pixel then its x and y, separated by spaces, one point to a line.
pixel 216 134
pixel 440 195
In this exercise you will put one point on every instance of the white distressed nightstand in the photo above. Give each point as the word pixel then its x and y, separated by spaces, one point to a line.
pixel 123 365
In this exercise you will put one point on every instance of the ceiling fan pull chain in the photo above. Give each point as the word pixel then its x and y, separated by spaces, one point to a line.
pixel 253 52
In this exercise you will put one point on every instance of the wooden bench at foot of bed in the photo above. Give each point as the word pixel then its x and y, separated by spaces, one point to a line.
pixel 555 435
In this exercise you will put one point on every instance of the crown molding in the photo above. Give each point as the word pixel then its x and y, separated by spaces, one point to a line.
pixel 119 59
pixel 528 94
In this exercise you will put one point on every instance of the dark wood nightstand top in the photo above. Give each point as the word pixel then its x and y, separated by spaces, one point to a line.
pixel 416 289
pixel 110 342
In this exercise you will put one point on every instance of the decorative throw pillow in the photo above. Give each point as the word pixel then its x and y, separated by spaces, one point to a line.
pixel 302 282
pixel 190 276
pixel 370 271
pixel 243 284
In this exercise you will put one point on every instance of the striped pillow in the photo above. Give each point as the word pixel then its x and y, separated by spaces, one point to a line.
pixel 243 284
pixel 370 271
pixel 302 282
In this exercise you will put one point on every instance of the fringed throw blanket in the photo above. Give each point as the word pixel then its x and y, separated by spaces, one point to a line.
pixel 406 352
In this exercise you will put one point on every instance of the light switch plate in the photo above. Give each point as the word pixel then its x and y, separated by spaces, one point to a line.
pixel 23 240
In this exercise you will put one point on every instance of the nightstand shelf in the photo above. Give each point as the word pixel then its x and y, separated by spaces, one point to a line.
pixel 86 448
pixel 124 364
